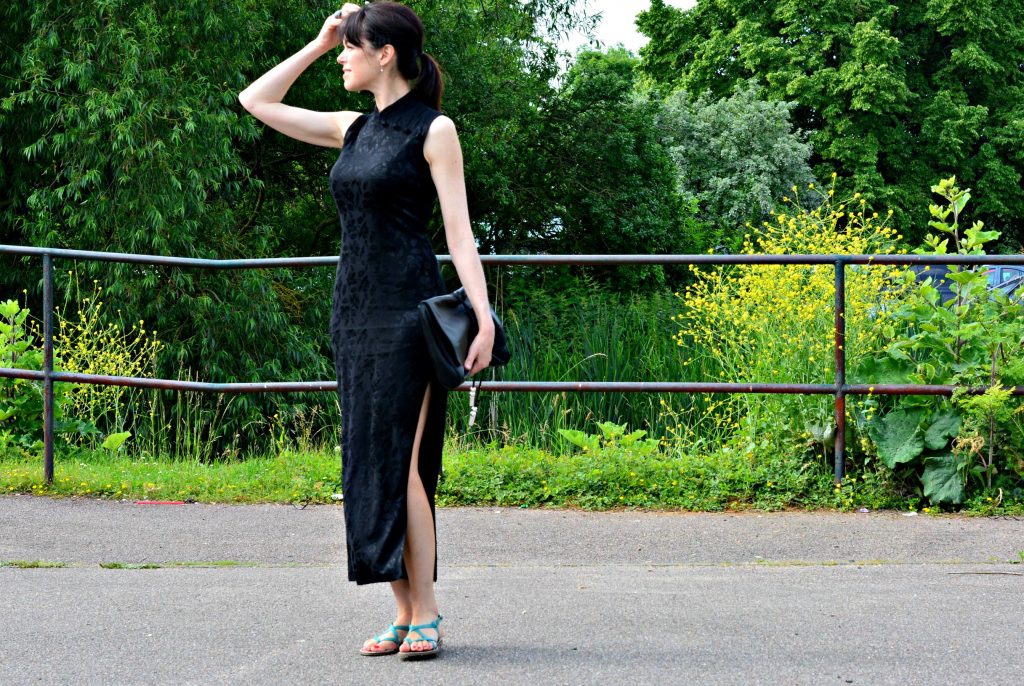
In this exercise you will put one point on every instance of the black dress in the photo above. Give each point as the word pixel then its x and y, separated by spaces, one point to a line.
pixel 385 196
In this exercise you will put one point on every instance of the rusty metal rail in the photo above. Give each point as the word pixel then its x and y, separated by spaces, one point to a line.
pixel 839 388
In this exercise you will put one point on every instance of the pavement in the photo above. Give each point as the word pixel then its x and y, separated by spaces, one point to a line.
pixel 257 594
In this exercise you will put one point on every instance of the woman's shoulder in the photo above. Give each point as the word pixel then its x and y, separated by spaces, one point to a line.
pixel 442 123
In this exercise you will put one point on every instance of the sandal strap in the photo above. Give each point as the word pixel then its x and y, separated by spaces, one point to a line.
pixel 391 633
pixel 429 625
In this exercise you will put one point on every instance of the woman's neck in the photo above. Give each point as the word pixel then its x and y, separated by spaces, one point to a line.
pixel 389 92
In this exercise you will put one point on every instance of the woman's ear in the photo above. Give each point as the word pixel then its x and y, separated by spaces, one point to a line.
pixel 387 55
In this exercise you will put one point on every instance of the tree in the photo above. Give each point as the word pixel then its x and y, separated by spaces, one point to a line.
pixel 126 119
pixel 736 157
pixel 893 93
pixel 120 130
pixel 607 178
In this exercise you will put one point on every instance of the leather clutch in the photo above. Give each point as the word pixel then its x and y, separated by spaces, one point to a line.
pixel 449 326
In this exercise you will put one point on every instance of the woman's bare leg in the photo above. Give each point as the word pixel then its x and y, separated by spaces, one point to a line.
pixel 419 540
pixel 419 543
pixel 403 617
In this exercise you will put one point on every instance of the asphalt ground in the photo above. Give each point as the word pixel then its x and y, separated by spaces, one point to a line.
pixel 258 595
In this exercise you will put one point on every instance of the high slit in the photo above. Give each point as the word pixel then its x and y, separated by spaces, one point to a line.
pixel 415 457
pixel 385 195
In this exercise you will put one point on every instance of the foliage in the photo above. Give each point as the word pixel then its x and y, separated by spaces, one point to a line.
pixel 894 93
pixel 123 115
pixel 91 342
pixel 734 157
pixel 500 62
pixel 288 476
pixel 973 339
pixel 608 184
pixel 775 323
pixel 119 129
pixel 514 476
pixel 583 333
pixel 21 400
pixel 723 480
pixel 612 439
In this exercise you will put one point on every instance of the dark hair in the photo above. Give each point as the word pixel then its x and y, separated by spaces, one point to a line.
pixel 390 23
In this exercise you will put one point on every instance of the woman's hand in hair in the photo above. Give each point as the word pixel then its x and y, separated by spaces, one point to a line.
pixel 330 34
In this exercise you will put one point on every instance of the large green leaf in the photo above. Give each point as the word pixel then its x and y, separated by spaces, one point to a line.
pixel 882 370
pixel 946 425
pixel 578 438
pixel 114 442
pixel 899 437
pixel 941 479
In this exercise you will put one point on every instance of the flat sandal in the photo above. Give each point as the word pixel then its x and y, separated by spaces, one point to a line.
pixel 435 644
pixel 389 634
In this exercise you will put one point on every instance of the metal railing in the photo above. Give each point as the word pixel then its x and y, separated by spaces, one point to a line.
pixel 839 388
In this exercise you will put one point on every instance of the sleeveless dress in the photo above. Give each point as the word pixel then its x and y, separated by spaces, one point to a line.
pixel 385 195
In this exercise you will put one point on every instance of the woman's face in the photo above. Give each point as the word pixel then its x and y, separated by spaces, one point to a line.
pixel 359 66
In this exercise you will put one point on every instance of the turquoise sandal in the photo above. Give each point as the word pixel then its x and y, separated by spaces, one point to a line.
pixel 435 644
pixel 390 634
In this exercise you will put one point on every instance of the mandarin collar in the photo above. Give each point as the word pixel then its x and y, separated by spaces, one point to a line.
pixel 396 107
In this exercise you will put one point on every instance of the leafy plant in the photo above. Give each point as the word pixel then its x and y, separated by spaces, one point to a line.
pixel 892 93
pixel 613 438
pixel 775 323
pixel 971 339
pixel 21 400
pixel 734 157
pixel 92 340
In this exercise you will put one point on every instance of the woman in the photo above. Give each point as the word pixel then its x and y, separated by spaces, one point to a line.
pixel 394 162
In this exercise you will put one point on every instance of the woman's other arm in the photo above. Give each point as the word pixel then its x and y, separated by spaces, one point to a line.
pixel 263 97
pixel 444 154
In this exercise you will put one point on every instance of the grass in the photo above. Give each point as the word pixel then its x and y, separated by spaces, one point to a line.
pixel 508 476
pixel 612 479
pixel 287 477
pixel 32 564
pixel 505 476
pixel 192 564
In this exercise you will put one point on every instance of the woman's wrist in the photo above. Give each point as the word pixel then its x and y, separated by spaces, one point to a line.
pixel 487 325
pixel 316 48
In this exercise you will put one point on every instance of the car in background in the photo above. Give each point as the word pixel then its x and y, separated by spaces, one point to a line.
pixel 1006 278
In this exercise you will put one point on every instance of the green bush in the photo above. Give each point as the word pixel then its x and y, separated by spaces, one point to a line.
pixel 972 339
pixel 21 400
pixel 775 323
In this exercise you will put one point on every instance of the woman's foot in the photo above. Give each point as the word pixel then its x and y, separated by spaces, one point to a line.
pixel 422 640
pixel 386 642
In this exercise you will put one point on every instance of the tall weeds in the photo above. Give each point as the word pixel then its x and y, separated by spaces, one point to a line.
pixel 582 334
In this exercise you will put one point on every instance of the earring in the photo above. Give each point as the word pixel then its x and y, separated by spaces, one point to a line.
pixel 382 69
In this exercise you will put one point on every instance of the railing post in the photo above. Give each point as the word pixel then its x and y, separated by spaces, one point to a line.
pixel 48 404
pixel 840 393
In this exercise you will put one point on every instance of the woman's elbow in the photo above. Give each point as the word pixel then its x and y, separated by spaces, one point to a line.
pixel 247 100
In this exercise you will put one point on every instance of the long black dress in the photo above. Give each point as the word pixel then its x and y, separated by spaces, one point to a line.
pixel 385 196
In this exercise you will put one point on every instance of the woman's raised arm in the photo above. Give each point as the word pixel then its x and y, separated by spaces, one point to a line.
pixel 264 95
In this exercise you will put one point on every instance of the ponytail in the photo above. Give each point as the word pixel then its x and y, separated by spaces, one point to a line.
pixel 429 86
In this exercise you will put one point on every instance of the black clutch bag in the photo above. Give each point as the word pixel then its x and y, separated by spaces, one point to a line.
pixel 449 326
